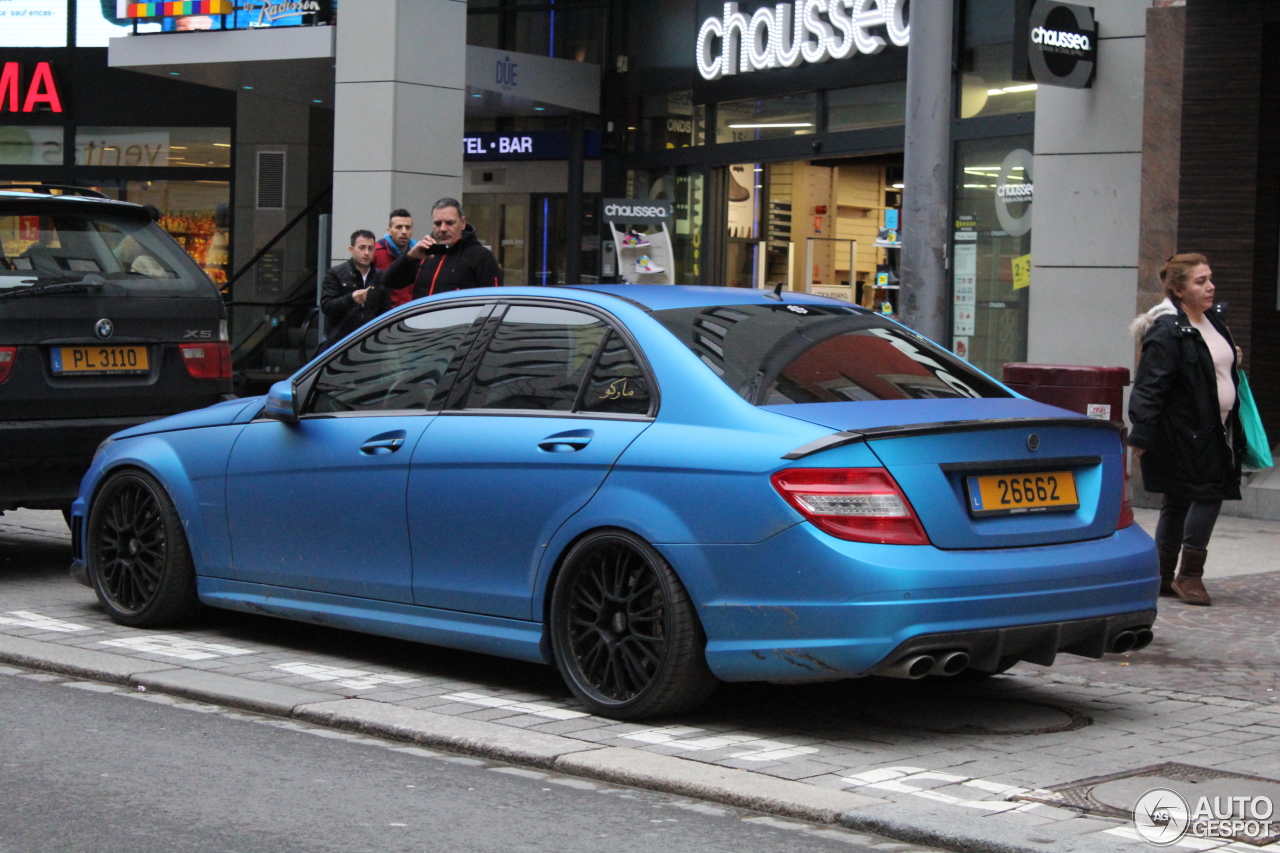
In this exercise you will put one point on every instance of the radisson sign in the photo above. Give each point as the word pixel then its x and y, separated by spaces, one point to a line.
pixel 788 35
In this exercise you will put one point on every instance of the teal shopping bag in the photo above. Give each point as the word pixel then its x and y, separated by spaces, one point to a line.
pixel 1257 452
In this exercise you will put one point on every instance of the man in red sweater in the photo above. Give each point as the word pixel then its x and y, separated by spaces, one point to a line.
pixel 394 243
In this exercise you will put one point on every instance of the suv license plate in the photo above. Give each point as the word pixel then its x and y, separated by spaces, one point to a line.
pixel 100 361
pixel 1007 494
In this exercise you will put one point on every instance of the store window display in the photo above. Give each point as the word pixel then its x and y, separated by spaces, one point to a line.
pixel 991 251
pixel 195 213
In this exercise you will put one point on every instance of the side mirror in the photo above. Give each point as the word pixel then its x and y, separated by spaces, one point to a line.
pixel 281 405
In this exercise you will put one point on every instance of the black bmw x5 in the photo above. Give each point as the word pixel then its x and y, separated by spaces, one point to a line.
pixel 105 322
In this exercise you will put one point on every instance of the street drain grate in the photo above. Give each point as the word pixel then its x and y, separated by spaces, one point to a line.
pixel 1116 794
pixel 973 715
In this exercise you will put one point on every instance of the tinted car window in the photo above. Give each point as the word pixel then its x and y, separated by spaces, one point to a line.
pixel 536 360
pixel 397 367
pixel 617 384
pixel 777 354
pixel 131 255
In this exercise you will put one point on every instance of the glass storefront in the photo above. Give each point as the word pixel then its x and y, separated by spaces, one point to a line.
pixel 767 118
pixel 686 189
pixel 574 32
pixel 987 86
pixel 859 107
pixel 154 147
pixel 195 213
pixel 991 250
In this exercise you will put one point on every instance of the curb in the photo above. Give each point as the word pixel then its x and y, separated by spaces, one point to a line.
pixel 924 823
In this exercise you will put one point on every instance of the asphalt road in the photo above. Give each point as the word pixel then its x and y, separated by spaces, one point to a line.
pixel 101 771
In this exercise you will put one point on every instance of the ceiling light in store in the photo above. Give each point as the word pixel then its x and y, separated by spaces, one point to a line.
pixel 776 124
pixel 899 186
pixel 475 96
pixel 175 73
pixel 539 109
pixel 178 147
pixel 317 101
pixel 1010 90
pixel 222 144
pixel 247 87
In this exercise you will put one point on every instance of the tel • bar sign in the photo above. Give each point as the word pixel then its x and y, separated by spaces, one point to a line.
pixel 38 95
pixel 531 145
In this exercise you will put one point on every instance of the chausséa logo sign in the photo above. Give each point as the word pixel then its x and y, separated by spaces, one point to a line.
pixel 788 35
pixel 637 211
pixel 1056 45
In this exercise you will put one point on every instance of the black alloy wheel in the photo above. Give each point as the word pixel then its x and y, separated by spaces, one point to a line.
pixel 624 632
pixel 139 561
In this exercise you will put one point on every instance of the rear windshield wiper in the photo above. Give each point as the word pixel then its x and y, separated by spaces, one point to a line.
pixel 77 286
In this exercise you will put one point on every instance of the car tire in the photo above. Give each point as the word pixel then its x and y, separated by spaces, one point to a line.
pixel 138 558
pixel 624 632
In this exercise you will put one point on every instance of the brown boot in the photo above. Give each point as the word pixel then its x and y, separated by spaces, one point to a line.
pixel 1188 585
pixel 1168 568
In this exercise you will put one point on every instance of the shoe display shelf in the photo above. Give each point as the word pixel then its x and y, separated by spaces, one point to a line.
pixel 658 251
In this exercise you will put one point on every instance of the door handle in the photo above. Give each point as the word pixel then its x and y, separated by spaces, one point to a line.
pixel 381 444
pixel 566 442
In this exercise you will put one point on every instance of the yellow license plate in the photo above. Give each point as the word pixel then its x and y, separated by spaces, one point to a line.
pixel 1007 494
pixel 100 361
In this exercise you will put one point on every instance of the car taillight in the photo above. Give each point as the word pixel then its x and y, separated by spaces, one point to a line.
pixel 858 504
pixel 8 355
pixel 207 361
pixel 1126 505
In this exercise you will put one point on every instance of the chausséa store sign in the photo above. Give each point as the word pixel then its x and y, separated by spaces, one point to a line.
pixel 1056 44
pixel 788 35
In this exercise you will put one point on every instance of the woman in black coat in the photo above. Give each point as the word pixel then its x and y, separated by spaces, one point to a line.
pixel 1186 424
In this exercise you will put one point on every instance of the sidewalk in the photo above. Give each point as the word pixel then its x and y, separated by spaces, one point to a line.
pixel 973 765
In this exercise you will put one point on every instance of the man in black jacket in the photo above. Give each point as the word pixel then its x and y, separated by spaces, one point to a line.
pixel 450 258
pixel 352 293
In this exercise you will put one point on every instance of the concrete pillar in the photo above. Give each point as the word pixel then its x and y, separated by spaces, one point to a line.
pixel 1087 209
pixel 398 104
pixel 925 304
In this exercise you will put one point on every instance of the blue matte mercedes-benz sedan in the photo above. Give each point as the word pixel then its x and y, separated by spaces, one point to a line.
pixel 652 489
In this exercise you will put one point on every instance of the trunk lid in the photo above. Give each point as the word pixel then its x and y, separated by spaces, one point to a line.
pixel 933 447
pixel 42 326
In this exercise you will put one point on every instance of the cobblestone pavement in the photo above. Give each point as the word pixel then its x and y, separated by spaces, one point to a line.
pixel 1206 693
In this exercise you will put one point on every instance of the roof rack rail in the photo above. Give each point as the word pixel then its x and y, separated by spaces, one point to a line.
pixel 47 189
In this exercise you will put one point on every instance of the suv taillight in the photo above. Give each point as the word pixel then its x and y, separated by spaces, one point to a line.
pixel 207 361
pixel 8 355
pixel 858 504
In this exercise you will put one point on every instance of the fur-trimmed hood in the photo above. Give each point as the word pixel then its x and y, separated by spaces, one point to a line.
pixel 1138 328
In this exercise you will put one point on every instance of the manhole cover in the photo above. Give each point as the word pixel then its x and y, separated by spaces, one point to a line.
pixel 973 715
pixel 1115 795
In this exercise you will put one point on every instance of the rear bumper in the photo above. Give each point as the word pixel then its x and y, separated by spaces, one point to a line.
pixel 804 605
pixel 42 461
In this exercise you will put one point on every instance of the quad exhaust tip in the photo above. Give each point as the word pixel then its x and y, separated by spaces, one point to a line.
pixel 1124 641
pixel 914 667
pixel 950 663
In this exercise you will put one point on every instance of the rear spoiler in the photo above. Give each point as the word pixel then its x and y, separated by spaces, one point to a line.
pixel 840 439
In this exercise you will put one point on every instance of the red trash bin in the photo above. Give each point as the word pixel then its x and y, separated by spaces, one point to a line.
pixel 1094 391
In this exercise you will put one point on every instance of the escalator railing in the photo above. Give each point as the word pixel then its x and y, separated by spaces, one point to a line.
pixel 272 337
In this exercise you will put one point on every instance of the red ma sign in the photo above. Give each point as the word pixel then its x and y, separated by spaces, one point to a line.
pixel 42 92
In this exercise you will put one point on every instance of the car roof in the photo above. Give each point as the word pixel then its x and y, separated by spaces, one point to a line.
pixel 71 201
pixel 660 297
